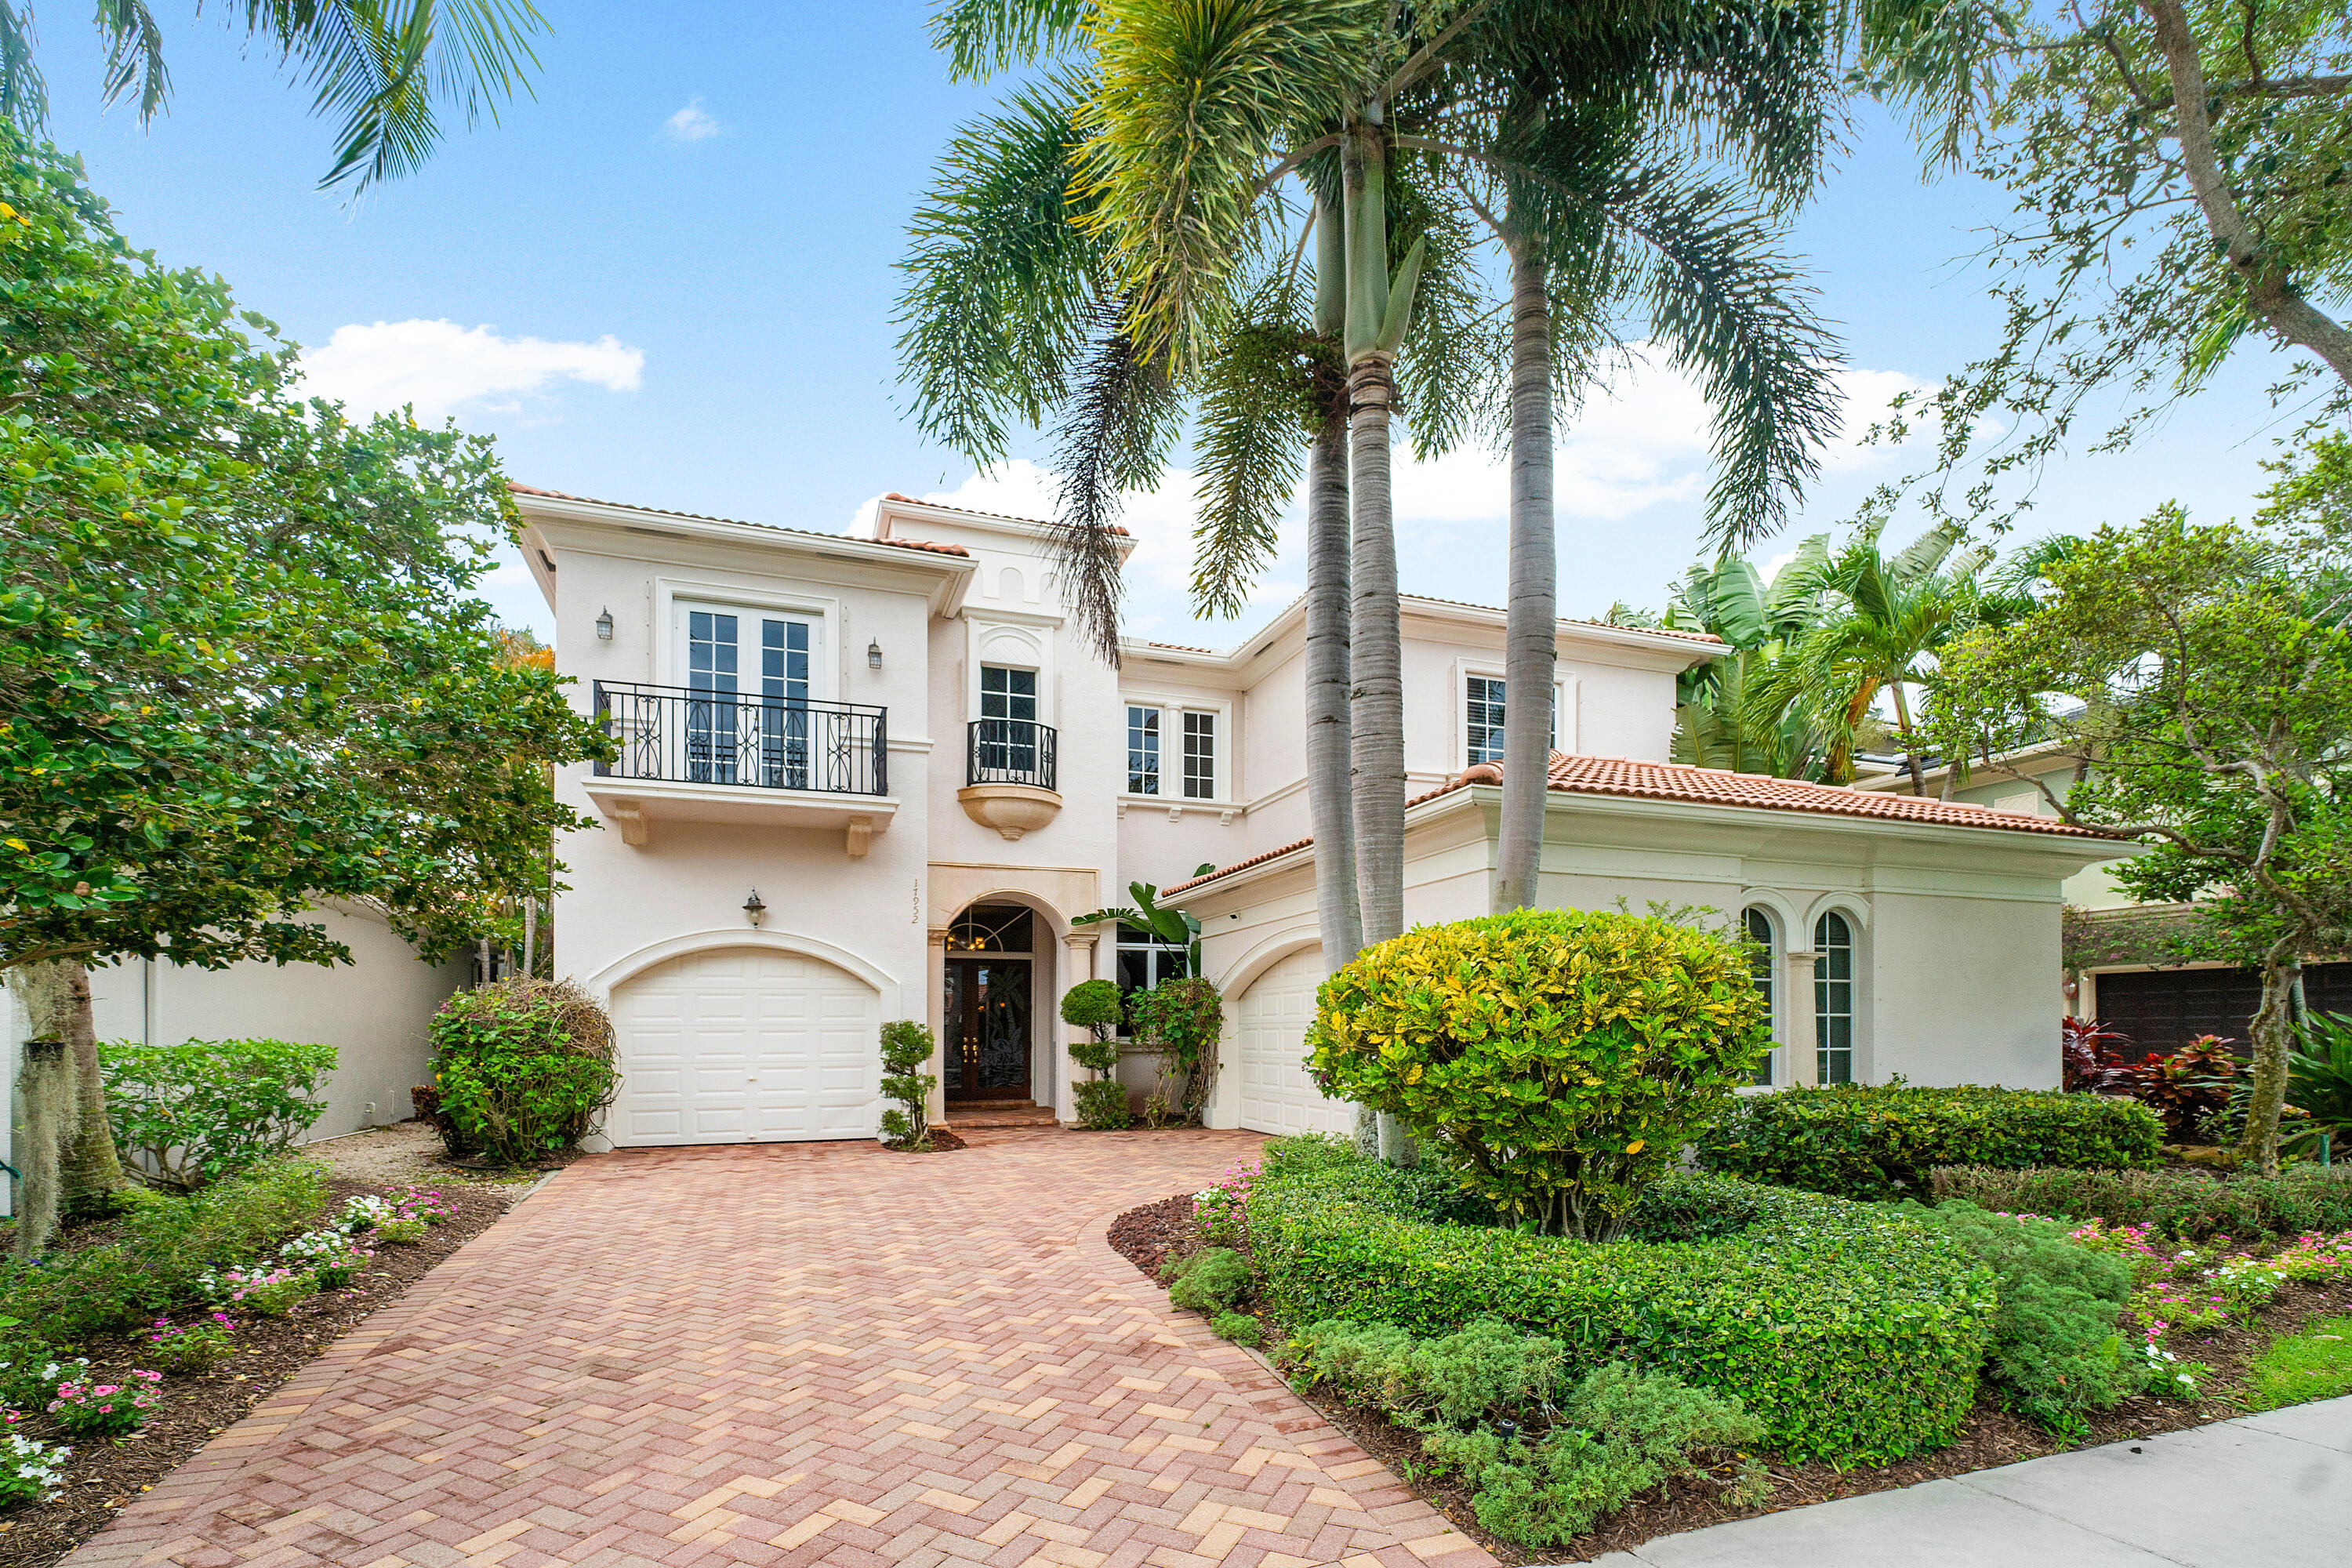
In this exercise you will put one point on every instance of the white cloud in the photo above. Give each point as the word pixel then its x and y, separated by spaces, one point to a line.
pixel 439 366
pixel 690 124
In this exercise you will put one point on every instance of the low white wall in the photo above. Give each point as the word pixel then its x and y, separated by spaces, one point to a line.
pixel 375 1011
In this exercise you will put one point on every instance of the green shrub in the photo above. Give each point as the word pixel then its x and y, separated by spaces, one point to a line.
pixel 192 1113
pixel 1239 1327
pixel 1618 1432
pixel 1094 1005
pixel 1181 1020
pixel 162 1246
pixel 1557 1059
pixel 1210 1281
pixel 1102 1105
pixel 523 1067
pixel 2320 1073
pixel 1488 1371
pixel 1881 1141
pixel 2190 1205
pixel 2056 1354
pixel 906 1046
pixel 1853 1333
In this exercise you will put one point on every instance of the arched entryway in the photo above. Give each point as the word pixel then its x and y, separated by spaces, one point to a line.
pixel 996 984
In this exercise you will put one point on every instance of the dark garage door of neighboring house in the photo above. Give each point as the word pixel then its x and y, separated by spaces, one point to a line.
pixel 2164 1009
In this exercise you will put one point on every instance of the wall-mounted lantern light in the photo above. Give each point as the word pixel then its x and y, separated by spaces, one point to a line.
pixel 604 626
pixel 754 909
pixel 874 656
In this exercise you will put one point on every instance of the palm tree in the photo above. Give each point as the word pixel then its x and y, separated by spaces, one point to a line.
pixel 1730 600
pixel 382 65
pixel 1887 617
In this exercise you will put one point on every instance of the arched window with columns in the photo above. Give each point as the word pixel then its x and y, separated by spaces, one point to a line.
pixel 1762 931
pixel 1833 999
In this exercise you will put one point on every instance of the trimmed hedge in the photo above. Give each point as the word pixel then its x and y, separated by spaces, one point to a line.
pixel 2191 1205
pixel 1881 1141
pixel 1853 1333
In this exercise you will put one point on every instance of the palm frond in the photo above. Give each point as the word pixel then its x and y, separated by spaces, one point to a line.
pixel 1002 287
pixel 1115 431
pixel 23 95
pixel 1259 399
pixel 983 37
pixel 134 52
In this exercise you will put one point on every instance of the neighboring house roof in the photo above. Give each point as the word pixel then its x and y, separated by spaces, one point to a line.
pixel 997 516
pixel 1672 782
pixel 932 546
pixel 1572 621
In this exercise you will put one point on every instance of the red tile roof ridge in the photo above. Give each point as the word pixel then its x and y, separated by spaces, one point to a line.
pixel 1577 621
pixel 925 544
pixel 975 511
pixel 1680 783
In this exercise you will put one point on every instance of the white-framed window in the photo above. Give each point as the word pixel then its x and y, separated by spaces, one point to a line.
pixel 1482 718
pixel 1483 707
pixel 1174 748
pixel 1142 750
pixel 1144 961
pixel 1833 998
pixel 1008 740
pixel 748 677
pixel 1761 932
pixel 1200 755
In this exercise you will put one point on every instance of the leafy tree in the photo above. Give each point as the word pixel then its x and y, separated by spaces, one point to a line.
pixel 2202 678
pixel 2178 171
pixel 385 66
pixel 241 667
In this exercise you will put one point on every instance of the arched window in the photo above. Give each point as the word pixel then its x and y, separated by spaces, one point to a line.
pixel 1833 998
pixel 1759 931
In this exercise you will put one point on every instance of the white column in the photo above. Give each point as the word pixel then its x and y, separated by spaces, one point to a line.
pixel 1801 1053
pixel 935 976
pixel 1077 965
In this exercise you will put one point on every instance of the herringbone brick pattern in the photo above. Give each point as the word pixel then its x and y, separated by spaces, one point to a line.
pixel 797 1355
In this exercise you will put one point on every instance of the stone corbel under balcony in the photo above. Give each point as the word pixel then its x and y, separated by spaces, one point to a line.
pixel 634 805
pixel 1012 809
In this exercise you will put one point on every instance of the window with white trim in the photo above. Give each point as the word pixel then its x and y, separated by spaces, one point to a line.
pixel 1199 756
pixel 1833 998
pixel 1759 931
pixel 1145 960
pixel 1484 714
pixel 1142 750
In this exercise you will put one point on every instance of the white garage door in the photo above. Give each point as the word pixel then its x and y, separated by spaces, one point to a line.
pixel 744 1046
pixel 1277 1094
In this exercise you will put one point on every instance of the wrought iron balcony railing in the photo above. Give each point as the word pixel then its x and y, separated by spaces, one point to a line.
pixel 728 737
pixel 1009 751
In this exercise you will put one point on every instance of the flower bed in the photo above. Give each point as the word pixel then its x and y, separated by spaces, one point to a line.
pixel 1884 1141
pixel 1851 1332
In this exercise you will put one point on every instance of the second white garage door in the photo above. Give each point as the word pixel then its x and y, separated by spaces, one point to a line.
pixel 1277 1094
pixel 744 1046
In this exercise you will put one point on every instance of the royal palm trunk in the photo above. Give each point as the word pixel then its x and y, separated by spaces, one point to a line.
pixel 1530 638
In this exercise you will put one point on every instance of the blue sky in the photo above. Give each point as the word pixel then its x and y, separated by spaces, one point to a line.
pixel 669 279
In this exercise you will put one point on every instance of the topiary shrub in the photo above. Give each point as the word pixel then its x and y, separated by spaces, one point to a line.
pixel 2189 1205
pixel 2056 1352
pixel 1881 1141
pixel 1853 1332
pixel 523 1067
pixel 906 1046
pixel 190 1114
pixel 1557 1059
pixel 1102 1105
pixel 1096 1006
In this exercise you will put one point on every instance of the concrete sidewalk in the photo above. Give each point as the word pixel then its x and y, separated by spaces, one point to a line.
pixel 2266 1492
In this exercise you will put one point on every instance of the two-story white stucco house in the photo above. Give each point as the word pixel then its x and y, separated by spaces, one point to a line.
pixel 870 778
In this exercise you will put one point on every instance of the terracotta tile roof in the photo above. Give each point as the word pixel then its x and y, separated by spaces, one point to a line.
pixel 1572 621
pixel 923 544
pixel 1618 776
pixel 1182 647
pixel 999 516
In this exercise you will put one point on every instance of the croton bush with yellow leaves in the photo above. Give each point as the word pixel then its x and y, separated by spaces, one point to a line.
pixel 1558 1058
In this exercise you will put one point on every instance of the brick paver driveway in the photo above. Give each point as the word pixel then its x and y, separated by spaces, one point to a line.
pixel 797 1355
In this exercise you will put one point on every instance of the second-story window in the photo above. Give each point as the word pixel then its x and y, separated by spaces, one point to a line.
pixel 1199 756
pixel 1008 714
pixel 1142 750
pixel 1485 719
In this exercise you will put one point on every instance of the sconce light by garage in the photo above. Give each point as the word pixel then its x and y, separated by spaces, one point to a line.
pixel 754 909
pixel 604 626
pixel 874 656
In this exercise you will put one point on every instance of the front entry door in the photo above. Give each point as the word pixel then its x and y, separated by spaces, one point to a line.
pixel 987 1013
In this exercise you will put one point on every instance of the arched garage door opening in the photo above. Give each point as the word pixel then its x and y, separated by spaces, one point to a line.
pixel 1277 1094
pixel 744 1046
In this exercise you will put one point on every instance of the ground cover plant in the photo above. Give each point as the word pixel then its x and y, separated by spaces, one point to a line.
pixel 195 1113
pixel 2317 1364
pixel 1556 1060
pixel 523 1067
pixel 1883 1140
pixel 1848 1331
pixel 2188 1206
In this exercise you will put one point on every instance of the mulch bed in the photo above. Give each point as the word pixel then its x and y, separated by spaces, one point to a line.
pixel 1148 1236
pixel 105 1473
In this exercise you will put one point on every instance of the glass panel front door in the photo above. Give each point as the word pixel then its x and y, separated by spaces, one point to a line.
pixel 987 1013
pixel 733 735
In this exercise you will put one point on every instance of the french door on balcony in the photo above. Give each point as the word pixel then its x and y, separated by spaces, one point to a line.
pixel 747 679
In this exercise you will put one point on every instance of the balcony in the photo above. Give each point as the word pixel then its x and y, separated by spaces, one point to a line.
pixel 1009 776
pixel 745 759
